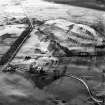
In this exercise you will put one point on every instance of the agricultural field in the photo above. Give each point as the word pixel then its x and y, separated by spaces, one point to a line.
pixel 52 53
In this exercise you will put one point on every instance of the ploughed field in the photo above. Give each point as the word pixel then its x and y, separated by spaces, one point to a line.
pixel 59 51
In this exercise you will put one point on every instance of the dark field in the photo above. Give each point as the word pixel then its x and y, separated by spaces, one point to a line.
pixel 94 4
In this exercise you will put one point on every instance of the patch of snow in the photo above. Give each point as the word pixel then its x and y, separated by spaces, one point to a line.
pixel 12 29
pixel 11 7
